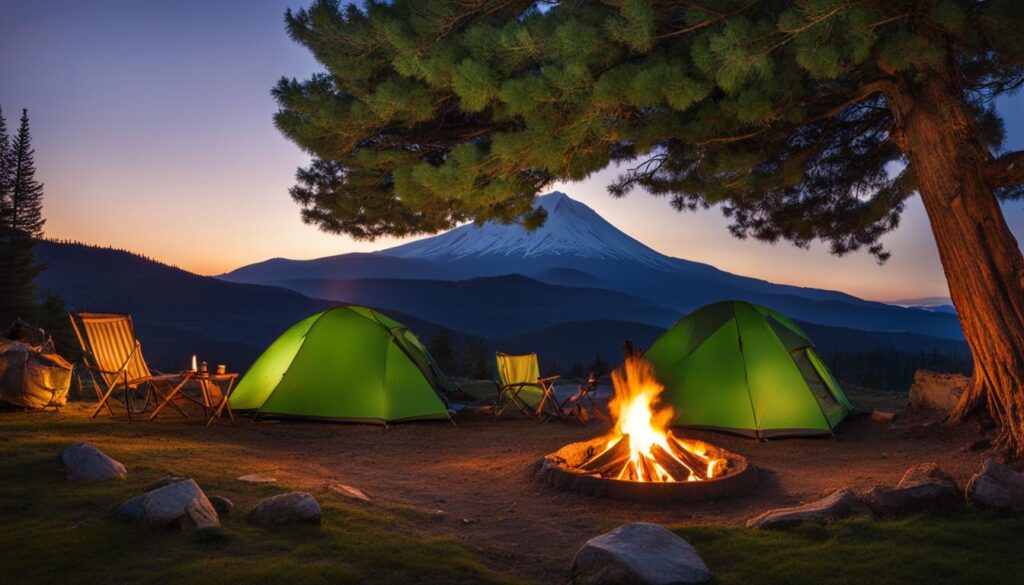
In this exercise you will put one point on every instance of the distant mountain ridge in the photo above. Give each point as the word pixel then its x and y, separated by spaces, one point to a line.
pixel 178 313
pixel 578 248
pixel 493 306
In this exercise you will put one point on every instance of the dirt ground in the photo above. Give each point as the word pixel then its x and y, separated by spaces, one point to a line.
pixel 480 473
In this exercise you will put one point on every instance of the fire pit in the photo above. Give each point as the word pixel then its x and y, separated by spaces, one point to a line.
pixel 641 460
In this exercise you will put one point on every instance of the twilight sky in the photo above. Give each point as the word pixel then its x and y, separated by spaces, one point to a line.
pixel 152 127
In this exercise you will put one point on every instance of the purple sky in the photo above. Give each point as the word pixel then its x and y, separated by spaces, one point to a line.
pixel 152 127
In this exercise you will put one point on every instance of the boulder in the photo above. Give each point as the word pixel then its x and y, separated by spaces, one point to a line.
pixel 175 506
pixel 285 509
pixel 222 504
pixel 837 505
pixel 998 488
pixel 937 391
pixel 84 462
pixel 922 487
pixel 163 481
pixel 638 553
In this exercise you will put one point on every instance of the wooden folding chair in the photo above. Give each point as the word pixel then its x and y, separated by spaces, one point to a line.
pixel 574 407
pixel 114 358
pixel 520 385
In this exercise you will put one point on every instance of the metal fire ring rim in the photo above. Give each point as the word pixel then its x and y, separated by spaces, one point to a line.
pixel 554 472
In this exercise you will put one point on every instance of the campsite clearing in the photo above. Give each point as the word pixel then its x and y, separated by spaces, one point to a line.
pixel 498 525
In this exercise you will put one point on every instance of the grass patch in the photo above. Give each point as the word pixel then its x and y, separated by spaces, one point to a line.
pixel 56 531
pixel 962 548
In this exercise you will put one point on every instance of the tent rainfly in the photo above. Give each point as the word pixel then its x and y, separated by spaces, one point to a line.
pixel 743 368
pixel 347 363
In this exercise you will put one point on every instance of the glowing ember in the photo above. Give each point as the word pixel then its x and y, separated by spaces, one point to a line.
pixel 640 447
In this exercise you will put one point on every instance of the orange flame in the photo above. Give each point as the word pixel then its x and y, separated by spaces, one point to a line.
pixel 639 415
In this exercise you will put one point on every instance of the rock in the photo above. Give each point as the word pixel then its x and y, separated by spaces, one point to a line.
pixel 175 506
pixel 257 478
pixel 202 513
pixel 922 487
pixel 840 504
pixel 882 416
pixel 222 504
pixel 284 509
pixel 84 462
pixel 923 472
pixel 936 391
pixel 163 481
pixel 998 488
pixel 638 553
pixel 348 491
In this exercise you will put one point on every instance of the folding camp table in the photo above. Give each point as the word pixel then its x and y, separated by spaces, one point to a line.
pixel 216 390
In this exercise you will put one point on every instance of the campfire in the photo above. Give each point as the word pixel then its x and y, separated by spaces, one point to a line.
pixel 641 459
pixel 641 447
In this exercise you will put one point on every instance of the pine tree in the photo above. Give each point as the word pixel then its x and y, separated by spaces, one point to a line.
pixel 440 348
pixel 26 205
pixel 476 363
pixel 803 120
pixel 6 167
pixel 21 223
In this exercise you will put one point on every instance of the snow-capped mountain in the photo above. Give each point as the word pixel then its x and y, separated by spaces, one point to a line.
pixel 580 252
pixel 571 229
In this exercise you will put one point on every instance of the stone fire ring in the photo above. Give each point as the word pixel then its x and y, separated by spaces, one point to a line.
pixel 558 470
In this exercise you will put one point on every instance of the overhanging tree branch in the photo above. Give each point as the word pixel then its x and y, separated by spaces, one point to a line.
pixel 1007 170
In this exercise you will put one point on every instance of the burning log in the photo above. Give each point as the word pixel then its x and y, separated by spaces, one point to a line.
pixel 649 468
pixel 675 468
pixel 696 462
pixel 611 460
pixel 640 448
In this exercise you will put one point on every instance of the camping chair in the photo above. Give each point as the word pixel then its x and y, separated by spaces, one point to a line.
pixel 113 357
pixel 520 384
pixel 573 406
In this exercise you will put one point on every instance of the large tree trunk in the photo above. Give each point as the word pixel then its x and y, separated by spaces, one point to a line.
pixel 980 256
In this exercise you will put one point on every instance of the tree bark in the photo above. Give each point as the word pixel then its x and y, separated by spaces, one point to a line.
pixel 980 256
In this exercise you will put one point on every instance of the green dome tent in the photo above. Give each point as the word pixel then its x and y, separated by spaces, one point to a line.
pixel 346 363
pixel 739 367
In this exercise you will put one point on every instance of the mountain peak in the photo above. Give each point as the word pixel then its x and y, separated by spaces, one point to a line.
pixel 572 229
pixel 552 198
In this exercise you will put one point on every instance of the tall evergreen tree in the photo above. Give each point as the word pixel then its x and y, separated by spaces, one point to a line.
pixel 802 120
pixel 6 167
pixel 26 199
pixel 20 223
pixel 476 362
pixel 440 348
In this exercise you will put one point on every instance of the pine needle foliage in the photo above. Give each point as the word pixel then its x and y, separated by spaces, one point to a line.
pixel 429 113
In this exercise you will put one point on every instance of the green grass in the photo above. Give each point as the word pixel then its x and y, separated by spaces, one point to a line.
pixel 53 531
pixel 961 548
